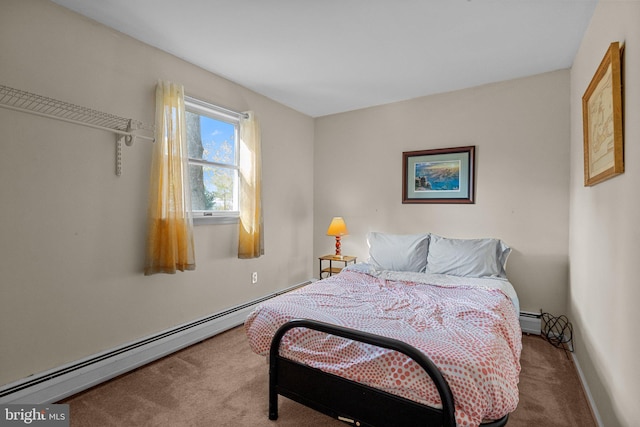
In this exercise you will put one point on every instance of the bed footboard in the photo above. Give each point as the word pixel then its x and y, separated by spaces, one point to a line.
pixel 349 401
pixel 352 402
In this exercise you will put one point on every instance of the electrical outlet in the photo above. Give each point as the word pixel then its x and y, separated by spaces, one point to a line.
pixel 254 277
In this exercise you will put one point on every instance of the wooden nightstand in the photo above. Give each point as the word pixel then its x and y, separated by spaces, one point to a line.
pixel 331 270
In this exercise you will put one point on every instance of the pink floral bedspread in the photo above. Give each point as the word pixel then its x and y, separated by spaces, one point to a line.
pixel 470 332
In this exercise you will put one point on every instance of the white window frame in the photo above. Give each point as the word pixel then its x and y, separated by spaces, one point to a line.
pixel 215 112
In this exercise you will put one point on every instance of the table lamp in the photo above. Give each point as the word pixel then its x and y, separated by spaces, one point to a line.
pixel 337 228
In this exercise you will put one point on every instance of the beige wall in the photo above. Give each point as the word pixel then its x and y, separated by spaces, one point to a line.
pixel 72 233
pixel 605 231
pixel 521 132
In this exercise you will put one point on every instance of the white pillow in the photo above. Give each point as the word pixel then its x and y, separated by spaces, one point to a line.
pixel 398 252
pixel 467 257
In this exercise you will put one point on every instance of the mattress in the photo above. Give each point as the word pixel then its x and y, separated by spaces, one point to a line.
pixel 467 326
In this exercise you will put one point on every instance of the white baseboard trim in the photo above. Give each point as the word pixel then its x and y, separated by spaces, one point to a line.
pixel 61 382
pixel 587 392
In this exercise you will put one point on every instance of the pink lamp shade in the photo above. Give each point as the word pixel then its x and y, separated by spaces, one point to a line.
pixel 337 228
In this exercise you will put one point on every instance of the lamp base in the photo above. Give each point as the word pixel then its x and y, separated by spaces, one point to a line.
pixel 338 252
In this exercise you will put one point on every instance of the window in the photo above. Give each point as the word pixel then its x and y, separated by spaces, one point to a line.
pixel 214 158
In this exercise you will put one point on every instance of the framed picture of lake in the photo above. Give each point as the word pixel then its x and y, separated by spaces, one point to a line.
pixel 444 175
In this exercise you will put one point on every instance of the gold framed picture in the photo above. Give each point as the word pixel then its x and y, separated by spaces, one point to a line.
pixel 602 121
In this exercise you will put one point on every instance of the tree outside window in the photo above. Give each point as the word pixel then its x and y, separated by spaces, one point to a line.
pixel 213 162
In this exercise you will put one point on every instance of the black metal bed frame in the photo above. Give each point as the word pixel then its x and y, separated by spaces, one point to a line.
pixel 352 402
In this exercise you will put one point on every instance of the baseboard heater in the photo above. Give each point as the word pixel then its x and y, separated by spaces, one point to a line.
pixel 56 384
pixel 530 322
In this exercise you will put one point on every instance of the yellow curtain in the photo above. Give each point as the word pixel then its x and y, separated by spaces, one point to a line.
pixel 170 228
pixel 251 234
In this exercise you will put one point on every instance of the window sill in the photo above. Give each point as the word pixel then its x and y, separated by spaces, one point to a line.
pixel 208 220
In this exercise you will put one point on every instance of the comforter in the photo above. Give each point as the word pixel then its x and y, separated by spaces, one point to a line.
pixel 468 327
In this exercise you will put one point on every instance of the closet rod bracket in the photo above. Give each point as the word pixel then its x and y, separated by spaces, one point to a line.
pixel 128 139
pixel 119 154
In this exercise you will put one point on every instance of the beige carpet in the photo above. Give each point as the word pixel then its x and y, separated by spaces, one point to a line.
pixel 220 382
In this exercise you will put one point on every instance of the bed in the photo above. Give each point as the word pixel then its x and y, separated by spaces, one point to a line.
pixel 425 333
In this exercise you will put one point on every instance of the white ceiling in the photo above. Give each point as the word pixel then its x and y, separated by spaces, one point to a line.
pixel 328 56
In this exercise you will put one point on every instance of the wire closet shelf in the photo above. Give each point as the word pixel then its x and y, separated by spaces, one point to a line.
pixel 124 128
